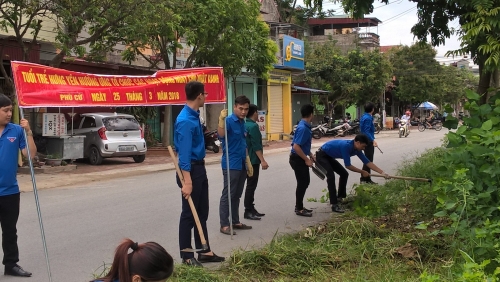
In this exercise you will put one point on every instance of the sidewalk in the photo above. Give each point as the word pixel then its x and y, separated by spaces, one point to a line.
pixel 156 161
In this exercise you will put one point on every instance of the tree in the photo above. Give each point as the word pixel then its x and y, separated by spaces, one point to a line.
pixel 376 72
pixel 417 73
pixel 101 19
pixel 225 33
pixel 454 84
pixel 355 78
pixel 480 29
pixel 23 19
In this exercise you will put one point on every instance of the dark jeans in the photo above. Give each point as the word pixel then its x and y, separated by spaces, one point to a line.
pixel 9 214
pixel 303 179
pixel 237 178
pixel 199 195
pixel 251 186
pixel 369 152
pixel 332 166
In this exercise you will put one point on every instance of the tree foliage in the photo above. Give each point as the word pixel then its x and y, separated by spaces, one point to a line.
pixel 480 29
pixel 24 20
pixel 225 33
pixel 417 73
pixel 101 19
pixel 355 78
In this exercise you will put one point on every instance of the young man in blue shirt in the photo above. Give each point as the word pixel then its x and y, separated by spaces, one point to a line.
pixel 11 141
pixel 343 149
pixel 300 158
pixel 255 152
pixel 190 146
pixel 239 163
pixel 368 128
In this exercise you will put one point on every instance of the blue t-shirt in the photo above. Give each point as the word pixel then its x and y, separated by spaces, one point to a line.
pixel 236 137
pixel 189 141
pixel 11 140
pixel 343 149
pixel 366 126
pixel 303 137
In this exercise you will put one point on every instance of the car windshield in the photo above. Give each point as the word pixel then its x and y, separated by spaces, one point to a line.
pixel 120 124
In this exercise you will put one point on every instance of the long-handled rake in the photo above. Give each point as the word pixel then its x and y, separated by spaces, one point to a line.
pixel 204 245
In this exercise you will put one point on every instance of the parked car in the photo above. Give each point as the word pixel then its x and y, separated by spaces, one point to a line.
pixel 109 135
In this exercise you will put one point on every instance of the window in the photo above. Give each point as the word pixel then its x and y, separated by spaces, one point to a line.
pixel 88 122
pixel 120 124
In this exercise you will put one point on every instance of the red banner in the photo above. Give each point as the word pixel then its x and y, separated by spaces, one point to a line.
pixel 42 86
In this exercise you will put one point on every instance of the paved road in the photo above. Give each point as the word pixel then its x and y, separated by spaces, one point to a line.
pixel 84 223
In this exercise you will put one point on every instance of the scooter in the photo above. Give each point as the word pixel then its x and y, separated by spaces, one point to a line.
pixel 403 129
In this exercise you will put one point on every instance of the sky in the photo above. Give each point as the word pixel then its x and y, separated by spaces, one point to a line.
pixel 398 17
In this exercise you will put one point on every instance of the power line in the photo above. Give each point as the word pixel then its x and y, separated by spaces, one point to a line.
pixel 398 15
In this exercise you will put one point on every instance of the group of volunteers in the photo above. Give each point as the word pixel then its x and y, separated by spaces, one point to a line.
pixel 135 262
pixel 245 152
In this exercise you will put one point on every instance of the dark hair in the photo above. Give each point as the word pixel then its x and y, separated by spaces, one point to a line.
pixel 251 110
pixel 241 100
pixel 149 260
pixel 5 101
pixel 369 107
pixel 194 89
pixel 361 138
pixel 307 110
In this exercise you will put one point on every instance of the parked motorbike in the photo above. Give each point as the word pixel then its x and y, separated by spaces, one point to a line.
pixel 377 127
pixel 212 142
pixel 403 129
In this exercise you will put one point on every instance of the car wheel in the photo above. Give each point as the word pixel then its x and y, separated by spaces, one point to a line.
pixel 139 158
pixel 95 157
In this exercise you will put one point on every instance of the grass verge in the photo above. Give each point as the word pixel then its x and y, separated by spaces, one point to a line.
pixel 380 239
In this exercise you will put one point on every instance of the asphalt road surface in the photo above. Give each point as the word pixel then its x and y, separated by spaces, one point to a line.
pixel 84 223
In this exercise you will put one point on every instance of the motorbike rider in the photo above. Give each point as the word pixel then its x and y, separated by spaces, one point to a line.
pixel 407 118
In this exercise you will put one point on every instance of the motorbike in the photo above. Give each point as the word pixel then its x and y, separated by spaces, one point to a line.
pixel 211 138
pixel 378 128
pixel 403 129
pixel 323 130
pixel 435 124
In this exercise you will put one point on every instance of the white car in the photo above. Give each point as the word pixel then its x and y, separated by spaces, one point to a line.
pixel 110 135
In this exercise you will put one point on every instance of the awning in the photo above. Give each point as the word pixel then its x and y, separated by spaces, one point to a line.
pixel 310 89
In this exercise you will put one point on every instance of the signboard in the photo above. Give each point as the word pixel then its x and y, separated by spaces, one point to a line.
pixel 54 124
pixel 261 121
pixel 293 52
pixel 280 76
pixel 42 86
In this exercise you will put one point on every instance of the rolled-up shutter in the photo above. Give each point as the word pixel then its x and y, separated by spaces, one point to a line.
pixel 276 109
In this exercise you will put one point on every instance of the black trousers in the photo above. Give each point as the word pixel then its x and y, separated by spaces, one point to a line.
pixel 303 179
pixel 369 152
pixel 9 214
pixel 199 195
pixel 332 166
pixel 251 186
